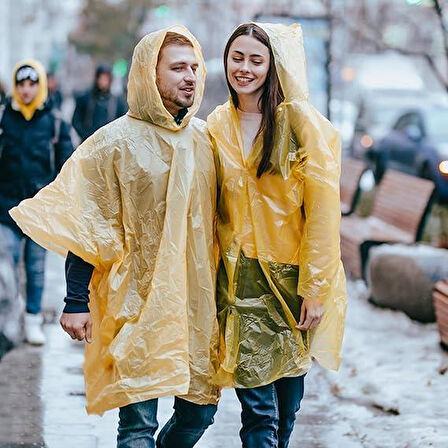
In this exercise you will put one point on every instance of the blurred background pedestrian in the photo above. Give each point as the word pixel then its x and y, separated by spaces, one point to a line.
pixel 35 143
pixel 98 106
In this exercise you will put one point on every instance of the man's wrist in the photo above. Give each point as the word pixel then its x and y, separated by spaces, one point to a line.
pixel 75 306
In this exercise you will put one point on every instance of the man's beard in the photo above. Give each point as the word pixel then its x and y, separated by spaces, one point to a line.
pixel 173 97
pixel 187 102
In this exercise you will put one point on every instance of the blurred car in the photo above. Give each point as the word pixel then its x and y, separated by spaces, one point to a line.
pixel 378 110
pixel 417 144
pixel 375 116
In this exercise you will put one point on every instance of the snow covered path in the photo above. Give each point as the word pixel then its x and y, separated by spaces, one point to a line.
pixel 392 389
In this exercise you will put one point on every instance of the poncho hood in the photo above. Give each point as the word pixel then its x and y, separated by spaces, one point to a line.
pixel 145 102
pixel 289 57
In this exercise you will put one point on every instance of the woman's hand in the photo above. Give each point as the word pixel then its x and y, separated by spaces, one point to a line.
pixel 310 315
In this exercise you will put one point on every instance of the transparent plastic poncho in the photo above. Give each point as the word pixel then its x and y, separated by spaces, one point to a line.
pixel 137 201
pixel 278 234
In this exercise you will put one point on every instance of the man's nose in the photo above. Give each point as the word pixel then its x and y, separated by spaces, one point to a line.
pixel 190 76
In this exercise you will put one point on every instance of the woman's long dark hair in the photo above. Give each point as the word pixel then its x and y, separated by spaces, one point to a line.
pixel 271 97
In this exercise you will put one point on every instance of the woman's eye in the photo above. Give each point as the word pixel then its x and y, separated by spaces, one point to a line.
pixel 257 62
pixel 237 59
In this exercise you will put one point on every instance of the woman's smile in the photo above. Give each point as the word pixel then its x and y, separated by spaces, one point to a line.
pixel 243 80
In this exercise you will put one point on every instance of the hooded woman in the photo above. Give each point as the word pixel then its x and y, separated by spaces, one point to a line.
pixel 281 285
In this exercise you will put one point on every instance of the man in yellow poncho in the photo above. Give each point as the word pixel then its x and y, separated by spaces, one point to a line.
pixel 135 204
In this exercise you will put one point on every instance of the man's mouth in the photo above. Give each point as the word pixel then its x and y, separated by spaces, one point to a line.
pixel 189 89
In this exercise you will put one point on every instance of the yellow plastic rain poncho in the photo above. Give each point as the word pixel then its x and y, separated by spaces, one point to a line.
pixel 136 200
pixel 279 235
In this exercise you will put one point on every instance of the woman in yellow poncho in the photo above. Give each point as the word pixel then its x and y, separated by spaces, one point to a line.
pixel 281 286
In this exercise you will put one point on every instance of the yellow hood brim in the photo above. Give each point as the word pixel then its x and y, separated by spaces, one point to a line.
pixel 289 56
pixel 28 110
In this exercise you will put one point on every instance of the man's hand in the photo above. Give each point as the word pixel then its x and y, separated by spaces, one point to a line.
pixel 310 314
pixel 77 325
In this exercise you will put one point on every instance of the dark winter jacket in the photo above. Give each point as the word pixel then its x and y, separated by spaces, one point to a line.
pixel 94 109
pixel 30 158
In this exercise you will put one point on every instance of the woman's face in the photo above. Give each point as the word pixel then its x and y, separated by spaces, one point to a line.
pixel 247 65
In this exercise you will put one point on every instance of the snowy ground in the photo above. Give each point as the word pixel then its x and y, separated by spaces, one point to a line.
pixel 393 384
pixel 392 389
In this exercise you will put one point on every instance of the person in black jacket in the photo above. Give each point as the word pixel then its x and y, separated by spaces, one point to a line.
pixel 34 144
pixel 54 91
pixel 98 106
pixel 2 93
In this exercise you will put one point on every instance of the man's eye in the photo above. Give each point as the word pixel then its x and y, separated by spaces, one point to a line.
pixel 194 69
pixel 177 68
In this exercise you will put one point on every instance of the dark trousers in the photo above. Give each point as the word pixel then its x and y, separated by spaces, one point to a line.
pixel 138 424
pixel 269 412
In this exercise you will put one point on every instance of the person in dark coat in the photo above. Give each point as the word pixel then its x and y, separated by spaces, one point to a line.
pixel 54 91
pixel 98 106
pixel 2 93
pixel 34 144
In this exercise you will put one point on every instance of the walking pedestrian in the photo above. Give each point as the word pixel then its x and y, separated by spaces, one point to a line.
pixel 281 286
pixel 134 208
pixel 98 106
pixel 34 144
pixel 2 93
pixel 54 91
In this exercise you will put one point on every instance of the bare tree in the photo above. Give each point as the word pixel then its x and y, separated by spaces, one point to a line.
pixel 109 31
pixel 366 33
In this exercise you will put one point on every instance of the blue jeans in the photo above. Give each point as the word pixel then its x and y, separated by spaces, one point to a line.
pixel 269 412
pixel 138 424
pixel 34 260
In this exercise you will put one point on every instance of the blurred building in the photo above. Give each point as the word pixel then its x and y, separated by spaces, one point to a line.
pixel 34 29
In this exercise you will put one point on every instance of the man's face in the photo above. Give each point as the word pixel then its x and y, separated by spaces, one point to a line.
pixel 27 90
pixel 176 77
pixel 103 82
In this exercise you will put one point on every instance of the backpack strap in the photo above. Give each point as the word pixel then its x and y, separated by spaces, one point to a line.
pixel 57 125
pixel 57 116
pixel 2 111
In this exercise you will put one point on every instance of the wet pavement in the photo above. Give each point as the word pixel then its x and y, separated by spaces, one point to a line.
pixel 21 405
pixel 42 390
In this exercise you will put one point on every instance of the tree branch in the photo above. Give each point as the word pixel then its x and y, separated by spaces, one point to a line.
pixel 439 12
pixel 371 36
